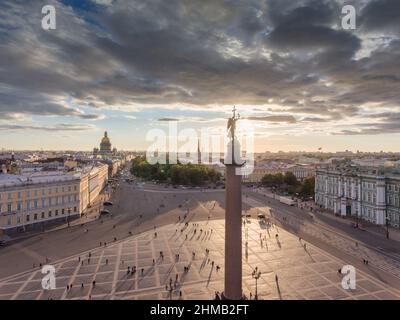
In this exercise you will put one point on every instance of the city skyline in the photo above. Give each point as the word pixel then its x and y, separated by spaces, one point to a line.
pixel 128 67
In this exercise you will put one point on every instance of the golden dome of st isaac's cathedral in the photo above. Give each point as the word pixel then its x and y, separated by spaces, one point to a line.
pixel 105 144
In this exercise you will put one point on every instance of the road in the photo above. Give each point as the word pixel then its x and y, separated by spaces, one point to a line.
pixel 158 206
pixel 136 209
pixel 336 237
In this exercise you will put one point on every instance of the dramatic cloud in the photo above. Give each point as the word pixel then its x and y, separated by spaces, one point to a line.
pixel 55 127
pixel 167 119
pixel 381 15
pixel 118 55
pixel 287 119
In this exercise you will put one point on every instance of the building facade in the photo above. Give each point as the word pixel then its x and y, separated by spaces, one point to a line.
pixel 299 171
pixel 370 194
pixel 302 172
pixel 47 197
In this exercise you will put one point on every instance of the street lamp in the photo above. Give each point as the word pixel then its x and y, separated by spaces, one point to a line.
pixel 256 275
pixel 387 226
pixel 357 219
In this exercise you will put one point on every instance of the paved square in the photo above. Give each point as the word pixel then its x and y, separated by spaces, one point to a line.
pixel 303 272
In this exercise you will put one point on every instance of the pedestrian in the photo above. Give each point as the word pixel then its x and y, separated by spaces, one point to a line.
pixel 67 287
pixel 142 271
pixel 82 285
pixel 154 262
pixel 94 283
pixel 79 259
pixel 106 261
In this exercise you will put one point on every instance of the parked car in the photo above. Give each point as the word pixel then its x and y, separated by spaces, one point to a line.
pixel 104 212
pixel 107 203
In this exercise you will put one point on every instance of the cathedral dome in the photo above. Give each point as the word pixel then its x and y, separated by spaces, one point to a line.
pixel 105 144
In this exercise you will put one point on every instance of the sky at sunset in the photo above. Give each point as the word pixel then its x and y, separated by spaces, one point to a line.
pixel 298 79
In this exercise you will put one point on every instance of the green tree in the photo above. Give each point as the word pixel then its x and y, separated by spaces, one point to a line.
pixel 307 188
pixel 290 179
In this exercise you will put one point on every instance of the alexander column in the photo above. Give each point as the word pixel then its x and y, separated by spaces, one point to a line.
pixel 233 216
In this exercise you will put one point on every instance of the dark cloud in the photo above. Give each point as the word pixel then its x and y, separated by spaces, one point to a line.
pixel 381 15
pixel 379 123
pixel 55 127
pixel 167 119
pixel 247 52
pixel 314 119
pixel 287 119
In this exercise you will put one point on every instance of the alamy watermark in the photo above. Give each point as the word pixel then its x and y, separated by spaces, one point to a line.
pixel 49 280
pixel 349 18
pixel 206 147
pixel 349 280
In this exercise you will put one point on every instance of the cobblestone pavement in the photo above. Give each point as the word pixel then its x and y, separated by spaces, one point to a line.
pixel 303 272
pixel 341 242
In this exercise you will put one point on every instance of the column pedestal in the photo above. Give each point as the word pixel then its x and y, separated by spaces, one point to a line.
pixel 233 235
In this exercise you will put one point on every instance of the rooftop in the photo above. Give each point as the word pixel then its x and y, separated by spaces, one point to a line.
pixel 7 180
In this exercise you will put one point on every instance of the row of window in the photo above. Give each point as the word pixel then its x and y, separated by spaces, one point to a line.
pixel 36 216
pixel 321 180
pixel 52 201
pixel 35 193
